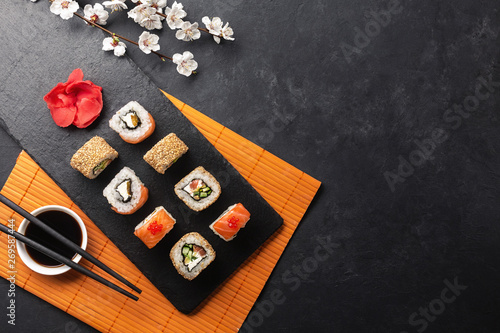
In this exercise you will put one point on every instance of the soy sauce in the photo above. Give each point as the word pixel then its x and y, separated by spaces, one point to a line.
pixel 61 222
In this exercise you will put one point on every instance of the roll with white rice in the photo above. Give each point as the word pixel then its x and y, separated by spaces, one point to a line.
pixel 126 193
pixel 133 123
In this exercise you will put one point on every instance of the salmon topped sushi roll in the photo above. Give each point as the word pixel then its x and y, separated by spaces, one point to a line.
pixel 230 222
pixel 154 227
pixel 133 123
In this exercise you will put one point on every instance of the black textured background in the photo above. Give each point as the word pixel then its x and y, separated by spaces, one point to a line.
pixel 286 85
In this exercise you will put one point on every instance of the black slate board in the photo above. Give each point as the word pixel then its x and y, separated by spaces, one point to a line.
pixel 66 45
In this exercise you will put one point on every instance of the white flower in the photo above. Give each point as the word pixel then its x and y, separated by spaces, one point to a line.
pixel 115 5
pixel 151 22
pixel 185 63
pixel 64 8
pixel 139 13
pixel 188 31
pixel 227 32
pixel 157 4
pixel 214 26
pixel 113 43
pixel 146 16
pixel 175 15
pixel 148 42
pixel 97 14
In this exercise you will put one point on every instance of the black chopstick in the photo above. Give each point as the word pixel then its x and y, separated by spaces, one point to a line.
pixel 63 260
pixel 65 241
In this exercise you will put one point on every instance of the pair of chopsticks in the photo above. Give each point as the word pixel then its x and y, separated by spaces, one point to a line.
pixel 56 256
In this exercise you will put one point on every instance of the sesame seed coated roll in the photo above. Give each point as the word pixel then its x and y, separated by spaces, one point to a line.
pixel 93 157
pixel 165 153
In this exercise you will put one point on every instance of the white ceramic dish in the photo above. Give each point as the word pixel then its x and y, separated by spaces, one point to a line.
pixel 49 270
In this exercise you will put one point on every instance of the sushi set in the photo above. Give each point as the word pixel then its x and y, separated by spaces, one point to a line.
pixel 126 193
pixel 157 188
pixel 26 117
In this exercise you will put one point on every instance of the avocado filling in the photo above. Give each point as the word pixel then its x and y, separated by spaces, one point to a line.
pixel 197 189
pixel 101 166
pixel 193 254
pixel 131 120
pixel 124 190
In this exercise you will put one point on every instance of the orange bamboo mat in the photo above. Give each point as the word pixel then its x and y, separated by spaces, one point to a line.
pixel 107 311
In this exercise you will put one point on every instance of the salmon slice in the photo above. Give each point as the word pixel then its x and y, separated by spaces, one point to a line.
pixel 142 200
pixel 231 221
pixel 154 227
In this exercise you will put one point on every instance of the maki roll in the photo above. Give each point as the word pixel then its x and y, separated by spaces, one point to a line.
pixel 133 123
pixel 165 153
pixel 199 189
pixel 126 193
pixel 191 255
pixel 93 157
pixel 230 222
pixel 155 227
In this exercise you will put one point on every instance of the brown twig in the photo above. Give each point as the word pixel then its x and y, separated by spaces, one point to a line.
pixel 162 56
pixel 207 31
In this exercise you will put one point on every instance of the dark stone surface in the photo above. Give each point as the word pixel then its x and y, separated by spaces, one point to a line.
pixel 286 84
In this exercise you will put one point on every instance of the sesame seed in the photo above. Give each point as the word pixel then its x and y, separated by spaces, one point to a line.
pixel 91 154
pixel 165 152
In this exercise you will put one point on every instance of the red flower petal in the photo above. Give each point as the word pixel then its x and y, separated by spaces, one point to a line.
pixel 76 75
pixel 85 89
pixel 75 101
pixel 88 102
pixel 61 105
pixel 63 116
pixel 88 111
pixel 52 97
pixel 65 100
